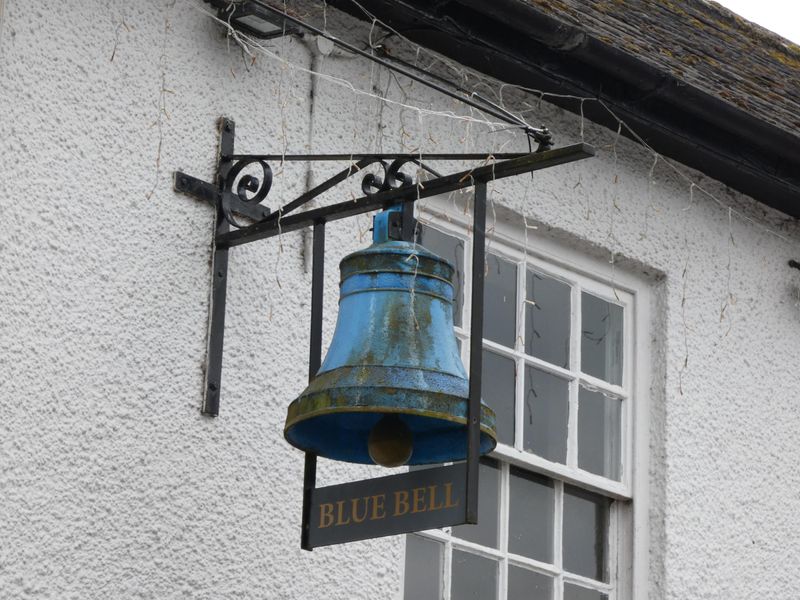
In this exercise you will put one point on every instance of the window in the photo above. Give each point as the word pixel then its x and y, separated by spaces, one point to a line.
pixel 556 499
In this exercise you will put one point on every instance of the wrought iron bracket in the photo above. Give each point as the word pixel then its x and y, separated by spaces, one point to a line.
pixel 238 194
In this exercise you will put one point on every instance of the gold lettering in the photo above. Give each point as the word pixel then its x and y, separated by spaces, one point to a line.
pixel 325 515
pixel 432 505
pixel 340 514
pixel 418 495
pixel 400 497
pixel 448 496
pixel 378 511
pixel 354 509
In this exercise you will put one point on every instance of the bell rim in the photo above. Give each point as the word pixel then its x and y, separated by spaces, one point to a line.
pixel 396 272
pixel 414 291
pixel 292 421
pixel 398 248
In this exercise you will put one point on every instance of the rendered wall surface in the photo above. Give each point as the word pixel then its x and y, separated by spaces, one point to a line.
pixel 112 485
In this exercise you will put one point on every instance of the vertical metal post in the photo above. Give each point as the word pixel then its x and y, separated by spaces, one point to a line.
pixel 314 363
pixel 219 279
pixel 476 350
pixel 317 287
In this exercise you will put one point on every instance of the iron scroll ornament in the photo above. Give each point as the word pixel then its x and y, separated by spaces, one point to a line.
pixel 243 193
pixel 250 190
pixel 393 178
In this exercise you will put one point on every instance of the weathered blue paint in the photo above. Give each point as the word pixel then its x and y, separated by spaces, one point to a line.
pixel 393 352
pixel 380 224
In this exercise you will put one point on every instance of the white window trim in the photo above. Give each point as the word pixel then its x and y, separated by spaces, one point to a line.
pixel 629 519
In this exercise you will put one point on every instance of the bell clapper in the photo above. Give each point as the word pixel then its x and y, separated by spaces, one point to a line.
pixel 390 442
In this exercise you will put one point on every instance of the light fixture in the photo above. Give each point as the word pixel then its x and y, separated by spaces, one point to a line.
pixel 254 19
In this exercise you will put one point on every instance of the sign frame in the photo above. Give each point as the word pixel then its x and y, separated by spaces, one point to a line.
pixel 420 499
pixel 235 194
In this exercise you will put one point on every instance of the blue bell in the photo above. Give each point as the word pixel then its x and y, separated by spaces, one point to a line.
pixel 392 389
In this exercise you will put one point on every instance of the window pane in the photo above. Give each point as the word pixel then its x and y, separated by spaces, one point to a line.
pixel 576 592
pixel 423 569
pixel 485 532
pixel 528 585
pixel 497 390
pixel 546 413
pixel 547 317
pixel 474 577
pixel 452 249
pixel 585 525
pixel 500 300
pixel 601 339
pixel 531 507
pixel 599 432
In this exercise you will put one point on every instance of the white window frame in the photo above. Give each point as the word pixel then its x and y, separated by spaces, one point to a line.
pixel 628 533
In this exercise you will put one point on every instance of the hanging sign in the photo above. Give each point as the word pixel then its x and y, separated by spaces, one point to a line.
pixel 414 501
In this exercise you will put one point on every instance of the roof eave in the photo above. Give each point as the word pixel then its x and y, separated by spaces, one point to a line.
pixel 676 119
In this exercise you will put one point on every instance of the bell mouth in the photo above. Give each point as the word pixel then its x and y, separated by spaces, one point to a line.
pixel 337 423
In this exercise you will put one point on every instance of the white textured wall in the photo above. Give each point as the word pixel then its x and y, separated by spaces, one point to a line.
pixel 112 485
